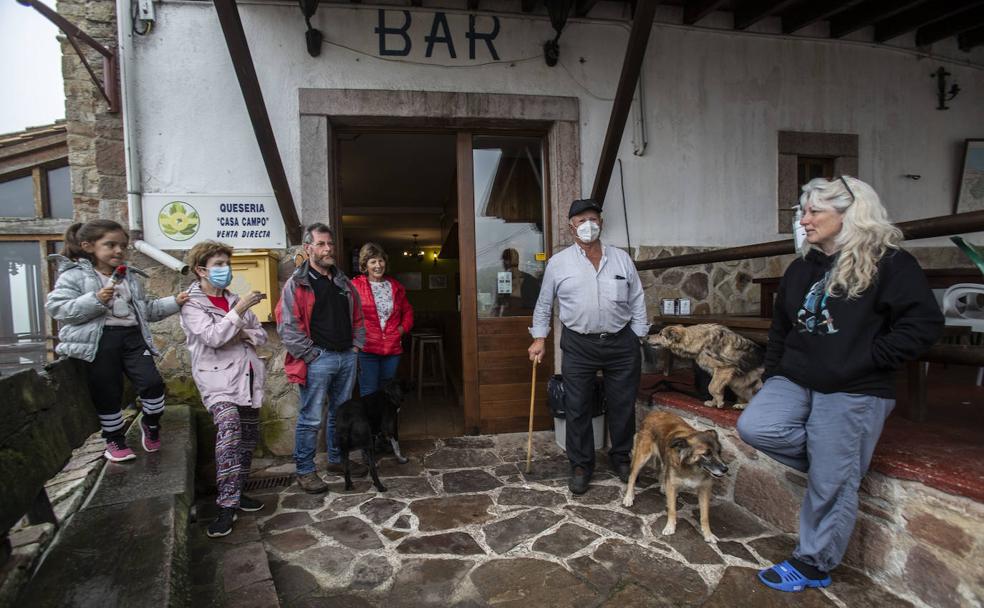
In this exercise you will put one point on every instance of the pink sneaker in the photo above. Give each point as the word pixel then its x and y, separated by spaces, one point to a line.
pixel 150 437
pixel 116 451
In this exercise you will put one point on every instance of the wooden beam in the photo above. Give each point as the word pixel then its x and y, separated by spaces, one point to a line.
pixel 695 10
pixel 635 52
pixel 416 2
pixel 944 225
pixel 920 16
pixel 528 6
pixel 813 12
pixel 583 7
pixel 968 40
pixel 750 14
pixel 951 26
pixel 473 5
pixel 867 13
pixel 249 84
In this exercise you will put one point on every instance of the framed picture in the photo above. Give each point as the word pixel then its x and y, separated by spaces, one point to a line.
pixel 970 196
pixel 437 281
pixel 411 281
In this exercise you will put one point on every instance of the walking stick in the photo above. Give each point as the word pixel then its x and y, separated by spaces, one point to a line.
pixel 529 438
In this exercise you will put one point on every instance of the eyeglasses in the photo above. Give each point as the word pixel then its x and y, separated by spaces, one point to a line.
pixel 849 191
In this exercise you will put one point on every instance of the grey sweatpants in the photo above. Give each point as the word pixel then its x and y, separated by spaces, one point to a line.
pixel 830 437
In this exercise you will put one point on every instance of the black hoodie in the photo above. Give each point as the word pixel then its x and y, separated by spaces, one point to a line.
pixel 832 344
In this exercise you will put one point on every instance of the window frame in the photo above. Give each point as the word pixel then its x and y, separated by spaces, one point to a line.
pixel 841 147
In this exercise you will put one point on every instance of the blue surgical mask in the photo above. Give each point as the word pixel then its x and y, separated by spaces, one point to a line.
pixel 220 276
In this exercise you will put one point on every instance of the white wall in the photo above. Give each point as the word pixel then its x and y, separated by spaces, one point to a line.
pixel 714 103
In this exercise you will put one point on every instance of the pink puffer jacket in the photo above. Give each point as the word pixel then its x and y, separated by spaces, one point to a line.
pixel 223 347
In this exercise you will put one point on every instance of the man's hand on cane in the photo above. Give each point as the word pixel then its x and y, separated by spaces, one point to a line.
pixel 537 349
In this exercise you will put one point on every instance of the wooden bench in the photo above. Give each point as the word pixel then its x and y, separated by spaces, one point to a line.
pixel 757 330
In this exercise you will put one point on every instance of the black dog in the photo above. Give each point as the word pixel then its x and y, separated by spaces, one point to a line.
pixel 359 421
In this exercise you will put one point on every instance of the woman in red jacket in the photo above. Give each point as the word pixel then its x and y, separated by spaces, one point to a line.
pixel 388 316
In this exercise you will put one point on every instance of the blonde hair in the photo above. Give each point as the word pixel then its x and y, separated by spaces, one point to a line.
pixel 368 252
pixel 866 234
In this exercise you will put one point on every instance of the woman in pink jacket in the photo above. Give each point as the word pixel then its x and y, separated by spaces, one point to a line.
pixel 222 337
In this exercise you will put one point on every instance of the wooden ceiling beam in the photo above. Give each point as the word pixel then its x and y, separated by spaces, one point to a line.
pixel 417 3
pixel 695 10
pixel 473 5
pixel 968 40
pixel 814 12
pixel 528 5
pixel 866 14
pixel 951 26
pixel 750 14
pixel 919 16
pixel 635 52
pixel 242 62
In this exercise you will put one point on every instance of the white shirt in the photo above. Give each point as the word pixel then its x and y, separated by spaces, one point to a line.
pixel 591 301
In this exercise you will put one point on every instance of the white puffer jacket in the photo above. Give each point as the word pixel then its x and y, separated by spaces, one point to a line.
pixel 81 316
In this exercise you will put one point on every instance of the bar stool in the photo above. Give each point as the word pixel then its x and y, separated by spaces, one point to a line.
pixel 419 346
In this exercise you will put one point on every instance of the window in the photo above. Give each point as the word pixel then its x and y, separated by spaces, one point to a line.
pixel 17 197
pixel 804 156
pixel 52 198
pixel 22 318
pixel 59 194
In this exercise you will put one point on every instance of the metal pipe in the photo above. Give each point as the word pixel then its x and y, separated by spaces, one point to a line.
pixel 944 225
pixel 124 34
pixel 156 254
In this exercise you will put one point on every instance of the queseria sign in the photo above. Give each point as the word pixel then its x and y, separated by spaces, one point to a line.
pixel 243 221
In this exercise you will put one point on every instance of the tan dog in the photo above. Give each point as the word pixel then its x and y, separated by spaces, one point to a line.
pixel 733 361
pixel 689 459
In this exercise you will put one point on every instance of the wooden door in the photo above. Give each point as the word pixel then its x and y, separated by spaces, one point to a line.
pixel 503 250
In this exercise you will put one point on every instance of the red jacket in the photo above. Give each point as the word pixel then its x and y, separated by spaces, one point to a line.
pixel 293 315
pixel 378 340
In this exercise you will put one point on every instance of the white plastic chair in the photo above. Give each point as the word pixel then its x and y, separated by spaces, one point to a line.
pixel 962 308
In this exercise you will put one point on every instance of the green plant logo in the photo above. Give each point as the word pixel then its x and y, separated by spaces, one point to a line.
pixel 179 221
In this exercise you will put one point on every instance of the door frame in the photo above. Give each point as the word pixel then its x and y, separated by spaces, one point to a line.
pixel 554 118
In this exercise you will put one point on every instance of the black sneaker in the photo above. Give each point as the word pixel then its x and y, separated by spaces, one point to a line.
pixel 249 504
pixel 222 525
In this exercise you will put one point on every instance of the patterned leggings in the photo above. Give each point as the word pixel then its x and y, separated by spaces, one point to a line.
pixel 236 433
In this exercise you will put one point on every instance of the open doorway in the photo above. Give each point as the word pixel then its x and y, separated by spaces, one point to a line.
pixel 399 190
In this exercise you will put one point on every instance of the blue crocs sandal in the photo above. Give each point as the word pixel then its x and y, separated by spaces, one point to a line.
pixel 791 579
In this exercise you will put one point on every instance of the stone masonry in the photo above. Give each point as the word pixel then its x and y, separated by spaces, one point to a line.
pixel 918 541
pixel 462 524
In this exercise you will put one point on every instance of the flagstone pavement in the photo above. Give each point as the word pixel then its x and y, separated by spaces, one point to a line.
pixel 462 524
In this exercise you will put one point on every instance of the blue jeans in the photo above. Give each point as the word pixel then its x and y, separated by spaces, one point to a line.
pixel 831 438
pixel 332 374
pixel 375 370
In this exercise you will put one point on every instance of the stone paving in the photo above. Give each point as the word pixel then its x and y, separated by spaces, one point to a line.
pixel 462 524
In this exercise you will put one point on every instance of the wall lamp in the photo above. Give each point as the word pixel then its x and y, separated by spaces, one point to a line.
pixel 942 94
pixel 312 36
pixel 558 11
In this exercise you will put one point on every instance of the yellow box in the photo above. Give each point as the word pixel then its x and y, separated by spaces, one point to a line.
pixel 257 270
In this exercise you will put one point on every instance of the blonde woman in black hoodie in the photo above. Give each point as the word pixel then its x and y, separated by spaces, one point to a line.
pixel 848 314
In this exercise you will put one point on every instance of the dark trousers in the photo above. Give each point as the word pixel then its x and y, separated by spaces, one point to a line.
pixel 122 350
pixel 620 360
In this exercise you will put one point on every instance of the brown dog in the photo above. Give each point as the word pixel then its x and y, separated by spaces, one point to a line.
pixel 689 459
pixel 733 361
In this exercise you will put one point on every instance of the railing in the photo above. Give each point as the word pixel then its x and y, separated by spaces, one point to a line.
pixel 944 225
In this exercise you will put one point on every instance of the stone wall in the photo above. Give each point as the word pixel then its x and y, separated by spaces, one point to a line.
pixel 727 288
pixel 95 136
pixel 924 544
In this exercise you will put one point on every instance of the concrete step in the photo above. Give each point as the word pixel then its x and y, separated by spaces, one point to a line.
pixel 127 545
pixel 231 571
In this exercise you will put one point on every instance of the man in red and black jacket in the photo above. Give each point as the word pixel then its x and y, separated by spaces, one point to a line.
pixel 319 319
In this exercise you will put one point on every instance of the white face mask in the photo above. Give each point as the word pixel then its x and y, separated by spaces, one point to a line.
pixel 588 231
